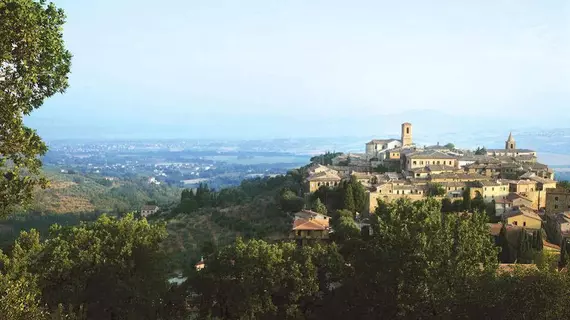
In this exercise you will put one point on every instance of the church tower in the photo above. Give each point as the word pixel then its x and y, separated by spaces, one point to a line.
pixel 406 134
pixel 510 144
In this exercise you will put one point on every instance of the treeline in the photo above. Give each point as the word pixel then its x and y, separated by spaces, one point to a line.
pixel 13 225
pixel 349 195
pixel 204 197
pixel 326 158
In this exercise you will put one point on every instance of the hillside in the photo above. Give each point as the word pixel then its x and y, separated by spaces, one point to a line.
pixel 191 235
pixel 76 197
pixel 80 193
pixel 250 210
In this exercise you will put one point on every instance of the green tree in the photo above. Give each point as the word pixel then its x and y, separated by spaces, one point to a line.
pixel 435 190
pixel 344 226
pixel 478 204
pixel 491 211
pixel 457 205
pixel 290 202
pixel 319 207
pixel 349 198
pixel 467 199
pixel 359 194
pixel 20 299
pixel 113 267
pixel 507 253
pixel 381 169
pixel 446 205
pixel 34 66
pixel 481 151
pixel 450 146
pixel 417 261
pixel 326 158
pixel 256 280
pixel 526 250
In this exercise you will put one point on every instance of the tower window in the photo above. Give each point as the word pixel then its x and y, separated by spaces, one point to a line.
pixel 408 130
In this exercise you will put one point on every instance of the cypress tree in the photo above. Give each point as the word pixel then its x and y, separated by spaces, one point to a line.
pixel 539 244
pixel 503 243
pixel 467 199
pixel 349 198
pixel 319 207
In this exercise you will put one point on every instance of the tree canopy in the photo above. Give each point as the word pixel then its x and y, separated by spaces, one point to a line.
pixel 34 65
pixel 113 268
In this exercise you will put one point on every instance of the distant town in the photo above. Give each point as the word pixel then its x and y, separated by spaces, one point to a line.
pixel 519 190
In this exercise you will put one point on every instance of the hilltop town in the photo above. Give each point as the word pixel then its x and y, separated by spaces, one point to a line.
pixel 516 188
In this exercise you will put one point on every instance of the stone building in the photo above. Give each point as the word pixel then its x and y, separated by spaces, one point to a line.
pixel 511 149
pixel 306 230
pixel 421 159
pixel 317 180
pixel 557 200
pixel 376 148
pixel 407 134
pixel 147 210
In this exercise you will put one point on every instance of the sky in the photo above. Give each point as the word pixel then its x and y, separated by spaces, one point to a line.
pixel 260 69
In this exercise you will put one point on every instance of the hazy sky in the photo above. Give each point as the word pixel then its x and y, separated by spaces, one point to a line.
pixel 308 67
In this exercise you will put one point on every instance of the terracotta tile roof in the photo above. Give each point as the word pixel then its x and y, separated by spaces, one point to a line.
pixel 528 175
pixel 542 180
pixel 324 176
pixel 312 224
pixel 454 184
pixel 509 151
pixel 381 141
pixel 513 196
pixel 489 183
pixel 420 170
pixel 523 182
pixel 495 228
pixel 439 167
pixel 523 211
pixel 363 175
pixel 308 214
pixel 430 155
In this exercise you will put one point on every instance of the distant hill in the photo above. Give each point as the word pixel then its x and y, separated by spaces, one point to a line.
pixel 72 198
pixel 80 193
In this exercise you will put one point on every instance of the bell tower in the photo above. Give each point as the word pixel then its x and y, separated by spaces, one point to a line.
pixel 406 134
pixel 510 144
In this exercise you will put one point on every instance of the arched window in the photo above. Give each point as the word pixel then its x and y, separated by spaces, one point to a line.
pixel 408 130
